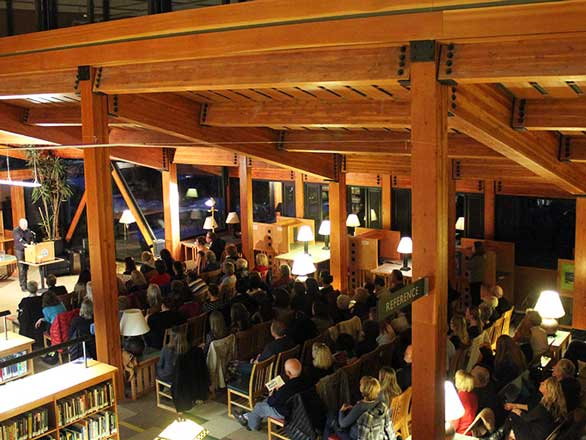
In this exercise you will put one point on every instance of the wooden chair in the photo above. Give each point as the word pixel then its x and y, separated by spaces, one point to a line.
pixel 245 394
pixel 181 328
pixel 507 321
pixel 276 429
pixel 144 376
pixel 497 332
pixel 306 351
pixel 245 347
pixel 164 396
pixel 352 372
pixel 282 358
pixel 475 350
pixel 262 336
pixel 370 363
pixel 196 329
pixel 211 277
pixel 401 413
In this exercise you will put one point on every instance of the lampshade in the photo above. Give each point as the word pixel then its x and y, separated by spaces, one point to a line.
pixel 210 202
pixel 183 429
pixel 210 223
pixel 303 265
pixel 232 218
pixel 352 221
pixel 460 224
pixel 192 193
pixel 373 216
pixel 549 305
pixel 324 228
pixel 127 217
pixel 133 323
pixel 405 246
pixel 454 407
pixel 305 233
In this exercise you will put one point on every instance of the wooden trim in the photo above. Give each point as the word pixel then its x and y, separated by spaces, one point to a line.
pixel 338 234
pixel 299 195
pixel 76 217
pixel 171 211
pixel 579 305
pixel 489 212
pixel 246 221
pixel 387 200
pixel 17 204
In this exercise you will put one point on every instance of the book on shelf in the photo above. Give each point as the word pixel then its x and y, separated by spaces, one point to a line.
pixel 81 404
pixel 15 370
pixel 24 426
pixel 96 427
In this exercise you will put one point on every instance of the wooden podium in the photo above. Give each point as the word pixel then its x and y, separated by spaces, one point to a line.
pixel 40 252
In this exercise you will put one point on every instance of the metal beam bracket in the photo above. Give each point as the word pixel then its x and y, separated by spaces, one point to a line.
pixel 456 170
pixel 422 51
pixel 453 103
pixel 203 115
pixel 518 116
pixel 565 149
pixel 281 140
pixel 447 55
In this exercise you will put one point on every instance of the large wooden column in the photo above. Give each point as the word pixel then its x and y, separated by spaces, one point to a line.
pixel 489 209
pixel 171 210
pixel 300 196
pixel 245 174
pixel 338 233
pixel 17 204
pixel 579 304
pixel 100 224
pixel 386 205
pixel 430 182
pixel 451 227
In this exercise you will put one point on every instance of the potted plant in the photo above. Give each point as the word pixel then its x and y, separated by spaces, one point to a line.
pixel 51 173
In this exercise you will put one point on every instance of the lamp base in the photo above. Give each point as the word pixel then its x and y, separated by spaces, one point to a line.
pixel 550 325
pixel 326 248
pixel 405 267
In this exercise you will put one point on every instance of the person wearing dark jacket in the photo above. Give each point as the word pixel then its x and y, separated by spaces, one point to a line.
pixel 565 372
pixel 281 341
pixel 160 321
pixel 216 244
pixel 22 237
pixel 30 310
pixel 81 326
pixel 276 405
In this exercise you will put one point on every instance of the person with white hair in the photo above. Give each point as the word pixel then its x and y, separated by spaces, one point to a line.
pixel 23 237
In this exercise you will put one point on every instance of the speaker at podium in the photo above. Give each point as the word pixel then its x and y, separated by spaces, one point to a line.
pixel 40 252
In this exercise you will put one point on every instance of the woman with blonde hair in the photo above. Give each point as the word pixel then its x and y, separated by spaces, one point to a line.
pixel 218 330
pixel 154 299
pixel 390 388
pixel 465 384
pixel 262 265
pixel 322 362
pixel 177 345
pixel 459 332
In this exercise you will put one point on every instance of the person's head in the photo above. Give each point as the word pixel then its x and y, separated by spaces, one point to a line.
pixel 320 309
pixel 32 287
pixel 241 265
pixel 322 356
pixel 137 278
pixel 396 277
pixel 473 318
pixel 311 286
pixel 369 388
pixel 179 268
pixel 497 291
pixel 491 301
pixel 129 264
pixel 387 377
pixel 200 243
pixel 23 224
pixel 210 236
pixel 217 325
pixel 371 330
pixel 51 280
pixel 147 258
pixel 161 266
pixel 386 327
pixel 360 295
pixel 343 302
pixel 298 288
pixel 507 349
pixel 154 297
pixel 168 304
pixel 326 278
pixel 345 342
pixel 232 251
pixel 228 268
pixel 281 298
pixel 177 287
pixel 564 369
pixel 481 376
pixel 211 257
pixel 293 368
pixel 84 276
pixel 166 255
pixel 408 357
pixel 86 310
pixel 553 398
pixel 278 328
pixel 254 280
pixel 533 317
pixel 485 311
pixel 459 328
pixel 379 283
pixel 50 299
pixel 285 271
pixel 464 381
pixel 239 316
pixel 262 260
pixel 178 341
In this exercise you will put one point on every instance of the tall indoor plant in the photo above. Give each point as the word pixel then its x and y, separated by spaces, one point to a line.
pixel 51 173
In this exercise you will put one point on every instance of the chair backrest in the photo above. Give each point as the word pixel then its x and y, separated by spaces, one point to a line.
pixel 245 346
pixel 260 375
pixel 370 363
pixel 306 351
pixel 196 329
pixel 282 357
pixel 507 321
pixel 497 332
pixel 458 361
pixel 352 372
pixel 262 336
pixel 66 300
pixel 211 276
pixel 401 413
pixel 475 349
pixel 181 328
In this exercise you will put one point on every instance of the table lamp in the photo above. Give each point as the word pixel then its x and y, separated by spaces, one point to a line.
pixel 183 429
pixel 305 234
pixel 373 216
pixel 460 224
pixel 133 325
pixel 233 219
pixel 192 193
pixel 325 229
pixel 303 266
pixel 453 405
pixel 210 223
pixel 549 306
pixel 352 221
pixel 126 219
pixel 405 248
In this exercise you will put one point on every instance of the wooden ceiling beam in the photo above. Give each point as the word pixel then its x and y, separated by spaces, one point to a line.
pixel 205 156
pixel 21 86
pixel 573 149
pixel 69 116
pixel 151 157
pixel 140 136
pixel 176 116
pixel 521 60
pixel 550 114
pixel 483 112
pixel 357 114
pixel 311 67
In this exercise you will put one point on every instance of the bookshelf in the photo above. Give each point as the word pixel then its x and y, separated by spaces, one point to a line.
pixel 15 345
pixel 68 402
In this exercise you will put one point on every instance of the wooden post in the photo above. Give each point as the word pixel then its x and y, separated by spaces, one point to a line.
pixel 579 300
pixel 17 204
pixel 100 224
pixel 430 183
pixel 338 233
pixel 386 196
pixel 451 227
pixel 171 211
pixel 245 174
pixel 76 217
pixel 489 197
pixel 300 196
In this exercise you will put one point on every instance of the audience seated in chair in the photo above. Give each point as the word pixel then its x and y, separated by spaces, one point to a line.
pixel 214 300
pixel 486 393
pixel 389 386
pixel 371 332
pixel 51 308
pixel 464 386
pixel 322 363
pixel 565 373
pixel 162 277
pixel 321 317
pixel 147 266
pixel 262 265
pixel 166 365
pixel 51 280
pixel 284 277
pixel 239 317
pixel 404 374
pixel 80 327
pixel 345 350
pixel 531 336
pixel 216 244
pixel 387 334
pixel 30 310
pixel 217 329
pixel 160 321
pixel 459 332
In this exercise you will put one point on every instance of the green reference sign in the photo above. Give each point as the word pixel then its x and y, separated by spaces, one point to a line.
pixel 391 302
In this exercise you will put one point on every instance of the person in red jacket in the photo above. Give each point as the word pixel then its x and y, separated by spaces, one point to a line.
pixel 465 385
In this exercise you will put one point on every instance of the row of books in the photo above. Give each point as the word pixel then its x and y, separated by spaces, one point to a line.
pixel 26 426
pixel 96 427
pixel 79 405
pixel 15 370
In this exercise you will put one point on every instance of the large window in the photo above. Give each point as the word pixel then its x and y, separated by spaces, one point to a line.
pixel 543 230
pixel 401 207
pixel 366 203
pixel 470 206
pixel 317 202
